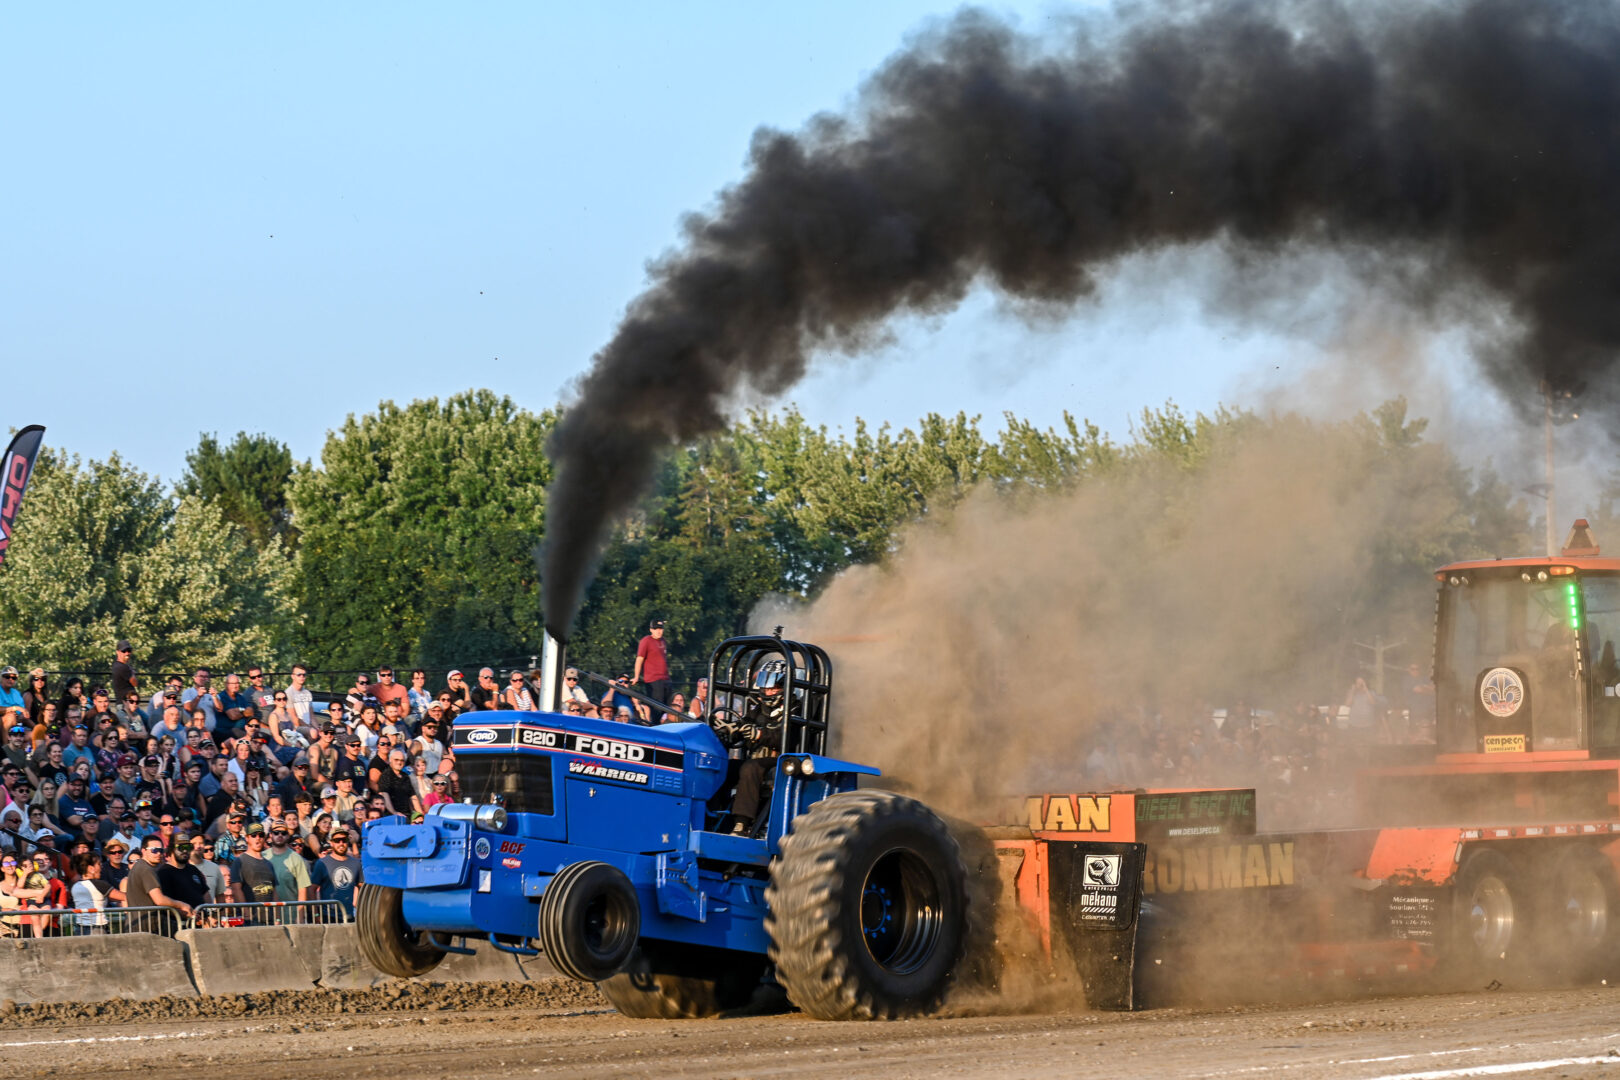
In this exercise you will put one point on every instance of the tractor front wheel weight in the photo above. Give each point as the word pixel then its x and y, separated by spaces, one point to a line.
pixel 391 946
pixel 867 908
pixel 589 921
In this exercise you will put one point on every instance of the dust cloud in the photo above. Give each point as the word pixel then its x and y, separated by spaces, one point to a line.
pixel 1005 640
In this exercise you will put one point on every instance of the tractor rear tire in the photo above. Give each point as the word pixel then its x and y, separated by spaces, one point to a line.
pixel 589 921
pixel 392 947
pixel 666 981
pixel 867 908
pixel 1579 924
pixel 1490 931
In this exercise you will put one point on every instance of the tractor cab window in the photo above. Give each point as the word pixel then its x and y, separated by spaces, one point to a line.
pixel 1602 596
pixel 1495 621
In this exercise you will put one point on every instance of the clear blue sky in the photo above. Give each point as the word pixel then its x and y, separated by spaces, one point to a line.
pixel 227 217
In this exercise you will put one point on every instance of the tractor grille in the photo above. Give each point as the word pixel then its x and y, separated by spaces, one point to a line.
pixel 524 780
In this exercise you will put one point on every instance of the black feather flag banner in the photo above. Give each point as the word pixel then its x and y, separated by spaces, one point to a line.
pixel 15 469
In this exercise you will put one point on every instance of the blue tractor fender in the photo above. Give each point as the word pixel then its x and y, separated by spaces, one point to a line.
pixel 802 780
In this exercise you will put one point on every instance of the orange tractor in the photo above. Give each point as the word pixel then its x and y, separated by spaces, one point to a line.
pixel 1493 858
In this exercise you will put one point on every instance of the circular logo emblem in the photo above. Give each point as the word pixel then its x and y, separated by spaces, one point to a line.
pixel 481 847
pixel 342 877
pixel 1501 691
pixel 481 735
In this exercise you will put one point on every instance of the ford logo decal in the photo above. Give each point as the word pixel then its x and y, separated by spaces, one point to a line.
pixel 481 735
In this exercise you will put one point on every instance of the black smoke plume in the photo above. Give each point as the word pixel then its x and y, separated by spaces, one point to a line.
pixel 1471 148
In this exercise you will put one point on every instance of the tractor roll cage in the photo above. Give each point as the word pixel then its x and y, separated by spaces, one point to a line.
pixel 806 690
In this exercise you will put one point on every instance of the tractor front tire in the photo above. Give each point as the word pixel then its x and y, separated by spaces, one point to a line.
pixel 589 921
pixel 392 947
pixel 867 908
pixel 667 981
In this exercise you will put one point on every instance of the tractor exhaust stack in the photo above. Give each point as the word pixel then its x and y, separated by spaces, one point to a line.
pixel 551 659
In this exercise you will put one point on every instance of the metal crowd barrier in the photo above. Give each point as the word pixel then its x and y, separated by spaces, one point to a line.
pixel 269 913
pixel 76 922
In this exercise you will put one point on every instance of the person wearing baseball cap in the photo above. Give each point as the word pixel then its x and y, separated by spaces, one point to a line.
pixel 16 748
pixel 338 871
pixel 572 690
pixel 344 799
pixel 652 667
pixel 10 696
pixel 460 693
pixel 292 872
pixel 124 682
pixel 255 875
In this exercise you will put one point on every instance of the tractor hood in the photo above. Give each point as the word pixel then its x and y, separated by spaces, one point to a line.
pixel 675 759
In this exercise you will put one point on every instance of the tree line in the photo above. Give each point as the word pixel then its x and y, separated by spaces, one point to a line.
pixel 411 538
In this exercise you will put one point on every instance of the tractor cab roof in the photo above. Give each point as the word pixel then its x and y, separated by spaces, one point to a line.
pixel 1580 553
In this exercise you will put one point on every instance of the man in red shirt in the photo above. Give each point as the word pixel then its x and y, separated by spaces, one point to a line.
pixel 388 690
pixel 652 667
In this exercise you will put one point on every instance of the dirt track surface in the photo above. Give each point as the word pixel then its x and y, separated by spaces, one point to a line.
pixel 1532 1033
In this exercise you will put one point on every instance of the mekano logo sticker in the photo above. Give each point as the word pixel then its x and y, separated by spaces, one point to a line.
pixel 1501 691
pixel 1102 870
pixel 1100 894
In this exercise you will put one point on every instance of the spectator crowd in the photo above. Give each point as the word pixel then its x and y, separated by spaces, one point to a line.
pixel 241 790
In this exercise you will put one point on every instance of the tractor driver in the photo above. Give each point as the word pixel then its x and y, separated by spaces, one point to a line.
pixel 757 734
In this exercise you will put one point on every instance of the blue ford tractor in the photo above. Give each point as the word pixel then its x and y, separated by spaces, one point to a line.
pixel 616 851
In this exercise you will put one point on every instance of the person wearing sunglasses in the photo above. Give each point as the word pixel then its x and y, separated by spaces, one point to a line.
pixel 11 884
pixel 388 690
pixel 132 719
pixel 517 694
pixel 10 696
pixel 124 680
pixel 460 694
pixel 35 695
pixel 572 690
pixel 42 888
pixel 259 691
pixel 340 873
pixel 360 695
pixel 285 737
pixel 487 696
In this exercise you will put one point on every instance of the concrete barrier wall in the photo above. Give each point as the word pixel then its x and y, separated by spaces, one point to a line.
pixel 139 966
pixel 246 959
pixel 238 960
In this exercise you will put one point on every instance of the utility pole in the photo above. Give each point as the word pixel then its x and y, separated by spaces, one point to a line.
pixel 1379 649
pixel 1552 538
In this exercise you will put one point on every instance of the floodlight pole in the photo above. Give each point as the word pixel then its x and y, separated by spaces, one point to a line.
pixel 1552 538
